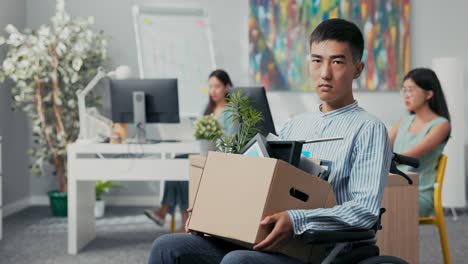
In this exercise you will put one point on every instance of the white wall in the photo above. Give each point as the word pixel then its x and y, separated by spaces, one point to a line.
pixel 14 126
pixel 438 28
pixel 229 19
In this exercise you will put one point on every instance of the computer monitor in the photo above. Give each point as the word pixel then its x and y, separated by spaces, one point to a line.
pixel 142 101
pixel 259 102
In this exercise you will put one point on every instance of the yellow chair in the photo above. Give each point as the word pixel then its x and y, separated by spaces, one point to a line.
pixel 438 218
pixel 173 222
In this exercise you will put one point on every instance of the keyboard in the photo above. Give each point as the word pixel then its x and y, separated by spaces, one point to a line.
pixel 154 141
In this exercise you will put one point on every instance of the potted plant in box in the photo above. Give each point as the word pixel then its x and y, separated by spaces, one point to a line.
pixel 241 112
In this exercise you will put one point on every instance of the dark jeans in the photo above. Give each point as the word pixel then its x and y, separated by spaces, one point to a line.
pixel 176 193
pixel 187 248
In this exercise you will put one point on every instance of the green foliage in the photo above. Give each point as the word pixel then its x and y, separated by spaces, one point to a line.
pixel 104 187
pixel 48 67
pixel 226 144
pixel 241 112
pixel 208 127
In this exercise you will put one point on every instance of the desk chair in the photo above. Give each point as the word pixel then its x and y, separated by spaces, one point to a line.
pixel 438 218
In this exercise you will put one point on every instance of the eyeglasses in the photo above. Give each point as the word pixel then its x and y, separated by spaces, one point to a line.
pixel 407 91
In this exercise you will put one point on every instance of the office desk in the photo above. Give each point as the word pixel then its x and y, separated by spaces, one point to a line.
pixel 118 162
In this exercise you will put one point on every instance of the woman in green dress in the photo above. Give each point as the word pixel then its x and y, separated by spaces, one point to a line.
pixel 423 133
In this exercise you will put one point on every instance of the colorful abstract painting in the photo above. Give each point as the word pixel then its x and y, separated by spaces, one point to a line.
pixel 279 34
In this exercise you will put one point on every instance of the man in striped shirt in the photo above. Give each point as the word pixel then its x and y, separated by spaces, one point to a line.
pixel 358 165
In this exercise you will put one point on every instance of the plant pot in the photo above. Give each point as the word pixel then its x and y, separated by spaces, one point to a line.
pixel 206 145
pixel 58 203
pixel 99 208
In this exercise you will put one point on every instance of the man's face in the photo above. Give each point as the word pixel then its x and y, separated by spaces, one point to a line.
pixel 333 70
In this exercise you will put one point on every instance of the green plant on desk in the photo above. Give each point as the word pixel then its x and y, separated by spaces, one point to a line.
pixel 208 128
pixel 104 187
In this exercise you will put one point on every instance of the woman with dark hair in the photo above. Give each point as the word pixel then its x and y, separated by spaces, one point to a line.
pixel 423 133
pixel 219 83
pixel 176 192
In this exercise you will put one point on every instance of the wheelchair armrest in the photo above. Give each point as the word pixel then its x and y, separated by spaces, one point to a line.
pixel 324 237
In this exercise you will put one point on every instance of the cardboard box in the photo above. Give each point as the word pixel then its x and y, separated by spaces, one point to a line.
pixel 236 192
pixel 197 163
pixel 400 226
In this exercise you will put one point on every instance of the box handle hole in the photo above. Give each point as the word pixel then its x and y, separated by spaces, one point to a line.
pixel 298 194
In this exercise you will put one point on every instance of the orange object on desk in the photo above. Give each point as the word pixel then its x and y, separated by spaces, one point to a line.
pixel 121 129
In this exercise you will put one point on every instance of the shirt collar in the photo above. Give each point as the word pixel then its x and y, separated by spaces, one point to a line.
pixel 339 111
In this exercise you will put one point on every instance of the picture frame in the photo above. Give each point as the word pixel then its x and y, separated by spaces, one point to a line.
pixel 256 147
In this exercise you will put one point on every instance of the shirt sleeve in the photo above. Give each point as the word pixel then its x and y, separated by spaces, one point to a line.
pixel 371 158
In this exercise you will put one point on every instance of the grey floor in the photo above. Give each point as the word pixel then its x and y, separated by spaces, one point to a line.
pixel 125 235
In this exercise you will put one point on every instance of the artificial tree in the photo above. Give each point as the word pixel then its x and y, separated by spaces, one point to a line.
pixel 48 66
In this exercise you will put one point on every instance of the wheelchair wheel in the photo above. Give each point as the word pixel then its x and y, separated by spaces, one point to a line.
pixel 383 260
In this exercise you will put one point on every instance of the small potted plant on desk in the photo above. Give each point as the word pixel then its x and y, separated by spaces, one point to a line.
pixel 207 130
pixel 101 188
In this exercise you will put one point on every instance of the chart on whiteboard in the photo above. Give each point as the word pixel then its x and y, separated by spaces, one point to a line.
pixel 174 43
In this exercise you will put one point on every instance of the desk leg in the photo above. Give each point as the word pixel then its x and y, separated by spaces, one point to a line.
pixel 81 220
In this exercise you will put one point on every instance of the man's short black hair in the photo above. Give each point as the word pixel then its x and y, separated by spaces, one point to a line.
pixel 342 31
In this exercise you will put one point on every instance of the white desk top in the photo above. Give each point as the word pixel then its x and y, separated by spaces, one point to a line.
pixel 134 162
pixel 164 147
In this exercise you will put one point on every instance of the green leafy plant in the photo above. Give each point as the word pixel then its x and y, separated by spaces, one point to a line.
pixel 48 67
pixel 103 187
pixel 208 127
pixel 241 112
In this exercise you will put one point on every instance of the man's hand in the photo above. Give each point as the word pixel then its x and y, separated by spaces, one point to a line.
pixel 189 211
pixel 281 233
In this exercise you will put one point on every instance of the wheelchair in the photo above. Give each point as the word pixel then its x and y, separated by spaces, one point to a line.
pixel 359 246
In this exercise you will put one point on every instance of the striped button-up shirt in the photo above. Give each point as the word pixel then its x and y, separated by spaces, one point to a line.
pixel 358 166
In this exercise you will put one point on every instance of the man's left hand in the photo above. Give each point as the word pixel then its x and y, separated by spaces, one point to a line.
pixel 281 233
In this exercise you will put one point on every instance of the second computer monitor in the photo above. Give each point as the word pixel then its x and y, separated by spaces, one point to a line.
pixel 259 101
pixel 161 100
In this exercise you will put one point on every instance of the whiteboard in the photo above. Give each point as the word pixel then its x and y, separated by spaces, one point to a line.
pixel 176 42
